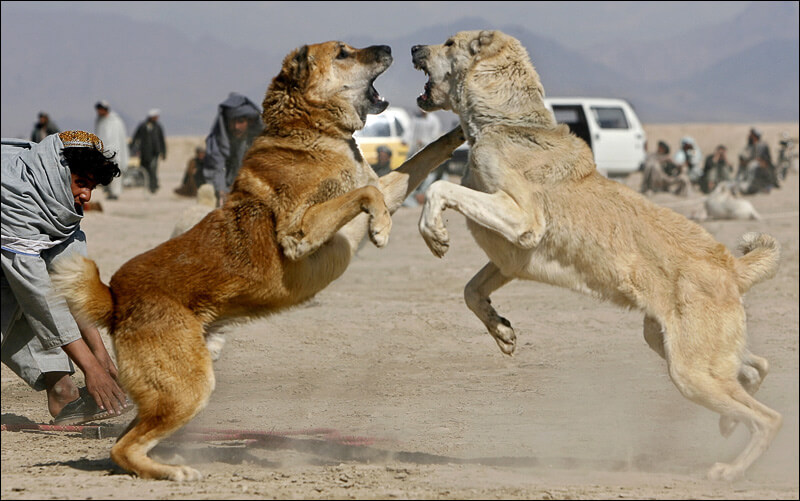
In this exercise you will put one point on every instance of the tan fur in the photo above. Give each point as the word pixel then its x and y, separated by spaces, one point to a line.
pixel 302 202
pixel 537 206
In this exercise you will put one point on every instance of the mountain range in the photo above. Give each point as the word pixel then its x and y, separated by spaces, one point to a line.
pixel 742 70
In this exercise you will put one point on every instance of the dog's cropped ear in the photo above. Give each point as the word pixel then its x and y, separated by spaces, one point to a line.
pixel 485 37
pixel 295 67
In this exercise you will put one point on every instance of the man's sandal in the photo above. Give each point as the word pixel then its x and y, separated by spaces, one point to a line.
pixel 84 409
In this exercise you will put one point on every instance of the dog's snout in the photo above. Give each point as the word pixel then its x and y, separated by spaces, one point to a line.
pixel 418 54
pixel 382 49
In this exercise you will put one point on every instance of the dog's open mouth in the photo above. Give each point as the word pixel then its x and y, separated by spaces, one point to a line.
pixel 425 97
pixel 374 96
pixel 377 102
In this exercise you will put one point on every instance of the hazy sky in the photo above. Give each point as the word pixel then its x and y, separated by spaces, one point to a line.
pixel 573 24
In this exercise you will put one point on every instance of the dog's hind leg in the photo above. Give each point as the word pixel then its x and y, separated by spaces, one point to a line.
pixel 751 374
pixel 704 364
pixel 170 382
pixel 476 295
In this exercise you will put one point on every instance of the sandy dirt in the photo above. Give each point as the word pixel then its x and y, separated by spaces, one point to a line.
pixel 390 355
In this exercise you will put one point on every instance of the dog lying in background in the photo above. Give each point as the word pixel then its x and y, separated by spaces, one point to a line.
pixel 724 202
pixel 303 200
pixel 206 202
pixel 535 203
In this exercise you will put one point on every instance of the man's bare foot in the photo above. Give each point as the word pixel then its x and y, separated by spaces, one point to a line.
pixel 60 389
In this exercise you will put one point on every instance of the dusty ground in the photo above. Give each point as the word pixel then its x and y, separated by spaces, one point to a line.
pixel 584 410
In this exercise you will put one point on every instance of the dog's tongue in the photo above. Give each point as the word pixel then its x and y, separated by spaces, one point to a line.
pixel 374 94
pixel 426 93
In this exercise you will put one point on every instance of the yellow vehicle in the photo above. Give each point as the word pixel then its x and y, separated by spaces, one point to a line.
pixel 391 128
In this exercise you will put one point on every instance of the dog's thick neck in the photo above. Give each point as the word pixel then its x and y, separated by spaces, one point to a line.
pixel 289 113
pixel 501 89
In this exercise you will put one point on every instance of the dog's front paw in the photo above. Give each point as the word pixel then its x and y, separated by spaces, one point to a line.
pixel 293 248
pixel 504 335
pixel 215 343
pixel 435 236
pixel 379 228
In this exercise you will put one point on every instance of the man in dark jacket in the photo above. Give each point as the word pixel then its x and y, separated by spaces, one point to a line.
pixel 43 127
pixel 237 124
pixel 149 144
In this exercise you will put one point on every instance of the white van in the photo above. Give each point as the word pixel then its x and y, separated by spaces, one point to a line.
pixel 609 126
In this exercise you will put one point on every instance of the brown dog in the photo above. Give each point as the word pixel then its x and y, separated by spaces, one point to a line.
pixel 537 206
pixel 303 200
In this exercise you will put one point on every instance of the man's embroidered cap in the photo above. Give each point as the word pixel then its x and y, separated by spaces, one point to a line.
pixel 80 139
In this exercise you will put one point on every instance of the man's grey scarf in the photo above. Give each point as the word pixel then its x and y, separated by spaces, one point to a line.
pixel 38 206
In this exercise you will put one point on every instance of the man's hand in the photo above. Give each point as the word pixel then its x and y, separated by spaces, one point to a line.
pixel 99 381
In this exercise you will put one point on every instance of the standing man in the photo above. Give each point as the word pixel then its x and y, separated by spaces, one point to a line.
pixel 237 124
pixel 45 187
pixel 43 127
pixel 110 128
pixel 149 144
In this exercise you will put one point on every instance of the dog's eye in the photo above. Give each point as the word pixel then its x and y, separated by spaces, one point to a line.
pixel 449 43
pixel 343 54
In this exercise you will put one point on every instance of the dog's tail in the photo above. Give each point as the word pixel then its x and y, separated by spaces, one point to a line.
pixel 78 280
pixel 760 260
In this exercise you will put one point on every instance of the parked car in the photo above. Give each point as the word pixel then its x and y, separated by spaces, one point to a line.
pixel 390 128
pixel 609 126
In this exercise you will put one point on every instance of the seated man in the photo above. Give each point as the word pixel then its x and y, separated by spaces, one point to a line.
pixel 659 173
pixel 757 173
pixel 716 170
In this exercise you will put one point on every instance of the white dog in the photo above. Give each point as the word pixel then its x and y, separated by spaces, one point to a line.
pixel 537 206
pixel 724 203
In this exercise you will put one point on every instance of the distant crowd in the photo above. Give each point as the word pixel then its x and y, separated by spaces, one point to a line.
pixel 754 171
pixel 215 162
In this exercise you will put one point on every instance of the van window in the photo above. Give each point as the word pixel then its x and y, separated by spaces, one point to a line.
pixel 610 117
pixel 378 128
pixel 399 127
pixel 573 116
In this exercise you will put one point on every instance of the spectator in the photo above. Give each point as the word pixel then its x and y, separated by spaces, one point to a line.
pixel 149 144
pixel 716 170
pixel 757 173
pixel 236 125
pixel 193 175
pixel 110 128
pixel 660 174
pixel 43 127
pixel 689 159
pixel 384 164
pixel 45 187
pixel 425 128
pixel 787 155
